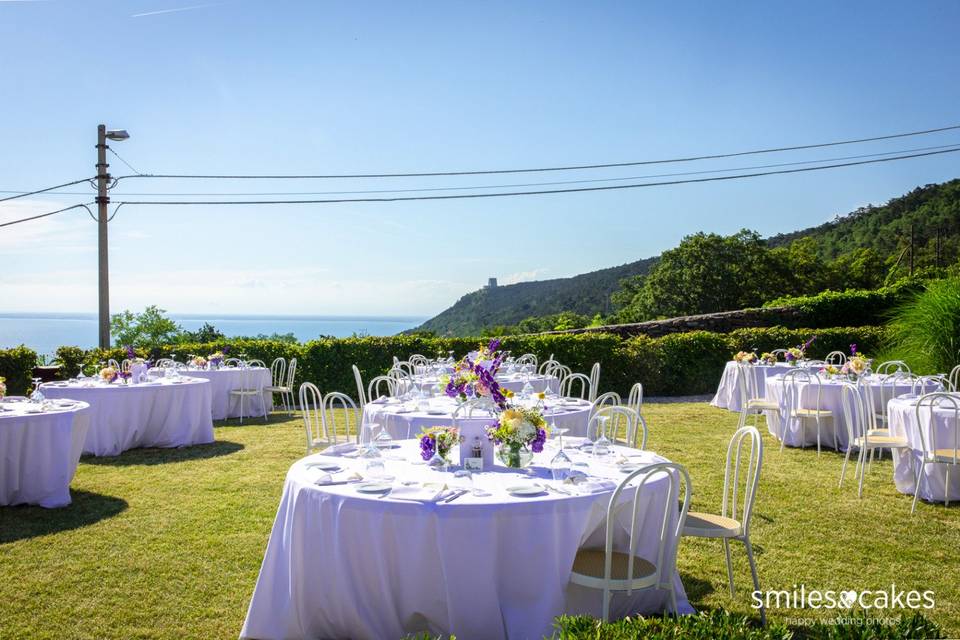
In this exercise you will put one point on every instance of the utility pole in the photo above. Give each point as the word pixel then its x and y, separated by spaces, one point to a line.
pixel 102 201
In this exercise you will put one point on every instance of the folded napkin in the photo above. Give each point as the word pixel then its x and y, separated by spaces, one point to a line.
pixel 326 479
pixel 340 449
pixel 428 493
pixel 590 485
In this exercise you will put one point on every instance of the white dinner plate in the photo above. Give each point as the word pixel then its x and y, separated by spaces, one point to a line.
pixel 332 467
pixel 374 487
pixel 525 490
pixel 435 412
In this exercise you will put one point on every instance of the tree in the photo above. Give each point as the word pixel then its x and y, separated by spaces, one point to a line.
pixel 146 329
pixel 206 333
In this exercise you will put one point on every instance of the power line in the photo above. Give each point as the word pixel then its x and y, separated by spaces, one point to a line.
pixel 539 192
pixel 542 169
pixel 129 166
pixel 44 215
pixel 529 184
pixel 32 193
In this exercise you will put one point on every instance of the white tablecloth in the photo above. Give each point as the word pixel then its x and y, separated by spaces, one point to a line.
pixel 153 414
pixel 39 452
pixel 728 391
pixel 340 564
pixel 903 422
pixel 833 431
pixel 406 419
pixel 229 378
pixel 513 381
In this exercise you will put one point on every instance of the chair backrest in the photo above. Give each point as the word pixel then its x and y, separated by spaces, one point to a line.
pixel 233 362
pixel 311 402
pixel 838 358
pixel 164 363
pixel 405 366
pixel 780 352
pixel 113 363
pixel 955 378
pixel 613 420
pixel 794 382
pixel 943 449
pixel 278 371
pixel 250 381
pixel 594 381
pixel 560 372
pixel 547 366
pixel 892 366
pixel 569 384
pixel 635 399
pixel 641 480
pixel 856 413
pixel 733 505
pixel 291 372
pixel 335 403
pixel 361 394
pixel 256 362
pixel 747 384
pixel 125 365
pixel 418 360
pixel 527 359
pixel 376 386
pixel 610 398
pixel 937 381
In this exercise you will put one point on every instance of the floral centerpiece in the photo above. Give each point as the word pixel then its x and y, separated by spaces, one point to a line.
pixel 799 352
pixel 132 356
pixel 745 357
pixel 474 376
pixel 199 362
pixel 856 364
pixel 517 432
pixel 830 370
pixel 3 387
pixel 439 440
pixel 216 358
pixel 768 358
pixel 108 374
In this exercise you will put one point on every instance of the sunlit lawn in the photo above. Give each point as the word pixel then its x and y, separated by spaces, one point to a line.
pixel 168 543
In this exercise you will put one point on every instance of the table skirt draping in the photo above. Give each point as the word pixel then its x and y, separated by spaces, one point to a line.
pixel 341 565
pixel 39 454
pixel 158 414
pixel 903 422
pixel 728 391
pixel 225 380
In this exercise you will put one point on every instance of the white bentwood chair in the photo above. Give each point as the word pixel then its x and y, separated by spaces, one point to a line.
pixel 569 383
pixel 935 449
pixel 594 381
pixel 610 398
pixel 635 399
pixel 611 570
pixel 955 378
pixel 733 523
pixel 375 388
pixel 311 403
pixel 527 359
pixel 335 403
pixel 610 421
pixel 278 373
pixel 861 436
pixel 794 382
pixel 752 400
pixel 547 366
pixel 836 358
pixel 251 387
pixel 892 366
pixel 361 394
pixel 285 389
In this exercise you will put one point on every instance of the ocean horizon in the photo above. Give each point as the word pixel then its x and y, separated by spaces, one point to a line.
pixel 44 332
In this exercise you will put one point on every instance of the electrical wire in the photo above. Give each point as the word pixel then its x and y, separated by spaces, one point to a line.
pixel 32 193
pixel 529 184
pixel 539 192
pixel 44 215
pixel 542 169
pixel 129 166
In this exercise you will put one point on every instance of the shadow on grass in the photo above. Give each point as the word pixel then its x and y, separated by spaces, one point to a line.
pixel 25 521
pixel 147 457
pixel 696 588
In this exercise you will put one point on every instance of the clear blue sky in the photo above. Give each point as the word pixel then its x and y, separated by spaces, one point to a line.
pixel 295 87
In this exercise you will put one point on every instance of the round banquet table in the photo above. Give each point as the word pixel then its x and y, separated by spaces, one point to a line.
pixel 226 379
pixel 833 431
pixel 159 413
pixel 902 413
pixel 39 452
pixel 512 381
pixel 405 419
pixel 728 391
pixel 342 564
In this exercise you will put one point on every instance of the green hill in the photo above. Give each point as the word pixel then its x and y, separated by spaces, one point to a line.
pixel 932 211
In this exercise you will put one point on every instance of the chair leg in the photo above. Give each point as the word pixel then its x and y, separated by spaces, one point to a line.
pixel 916 489
pixel 860 487
pixel 606 605
pixel 756 580
pixel 843 469
pixel 673 601
pixel 726 551
pixel 946 493
pixel 241 409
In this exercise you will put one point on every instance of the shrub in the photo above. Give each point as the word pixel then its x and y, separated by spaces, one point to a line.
pixel 925 332
pixel 16 365
pixel 851 308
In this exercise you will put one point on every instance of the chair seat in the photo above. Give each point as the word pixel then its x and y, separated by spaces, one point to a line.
pixel 711 525
pixel 588 569
pixel 811 413
pixel 245 392
pixel 886 442
pixel 944 456
pixel 878 432
pixel 763 404
pixel 277 389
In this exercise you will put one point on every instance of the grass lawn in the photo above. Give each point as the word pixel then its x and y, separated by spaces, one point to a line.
pixel 168 543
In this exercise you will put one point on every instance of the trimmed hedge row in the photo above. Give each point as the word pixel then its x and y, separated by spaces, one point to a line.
pixel 676 364
pixel 851 307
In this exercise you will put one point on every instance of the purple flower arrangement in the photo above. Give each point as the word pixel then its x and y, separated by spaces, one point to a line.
pixel 440 439
pixel 475 375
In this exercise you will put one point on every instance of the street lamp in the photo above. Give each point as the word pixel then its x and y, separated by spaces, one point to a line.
pixel 103 200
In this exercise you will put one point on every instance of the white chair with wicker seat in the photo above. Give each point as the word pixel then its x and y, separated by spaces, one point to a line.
pixel 311 402
pixel 251 387
pixel 285 388
pixel 612 570
pixel 796 382
pixel 861 436
pixel 936 449
pixel 733 523
pixel 752 401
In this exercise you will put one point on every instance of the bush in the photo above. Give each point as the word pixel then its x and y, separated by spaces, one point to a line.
pixel 851 308
pixel 925 332
pixel 16 365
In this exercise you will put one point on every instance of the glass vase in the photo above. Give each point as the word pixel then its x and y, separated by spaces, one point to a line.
pixel 515 456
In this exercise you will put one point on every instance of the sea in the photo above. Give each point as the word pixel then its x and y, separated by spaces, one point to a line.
pixel 44 332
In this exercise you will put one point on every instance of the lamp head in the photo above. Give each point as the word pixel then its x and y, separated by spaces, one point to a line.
pixel 117 134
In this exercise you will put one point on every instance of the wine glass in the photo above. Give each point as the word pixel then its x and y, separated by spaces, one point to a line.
pixel 36 396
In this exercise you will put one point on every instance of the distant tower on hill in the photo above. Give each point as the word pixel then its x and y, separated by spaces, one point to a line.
pixel 491 283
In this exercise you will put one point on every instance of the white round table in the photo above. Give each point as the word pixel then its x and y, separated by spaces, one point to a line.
pixel 227 379
pixel 405 419
pixel 159 413
pixel 728 391
pixel 40 450
pixel 343 564
pixel 902 413
pixel 833 431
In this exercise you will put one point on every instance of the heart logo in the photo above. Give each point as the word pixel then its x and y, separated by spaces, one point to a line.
pixel 848 598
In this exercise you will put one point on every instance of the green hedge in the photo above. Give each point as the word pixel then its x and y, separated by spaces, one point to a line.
pixel 16 365
pixel 676 364
pixel 853 307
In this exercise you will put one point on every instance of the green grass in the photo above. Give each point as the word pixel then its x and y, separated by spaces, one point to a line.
pixel 168 543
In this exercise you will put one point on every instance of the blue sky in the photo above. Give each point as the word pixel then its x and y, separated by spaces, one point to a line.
pixel 320 87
